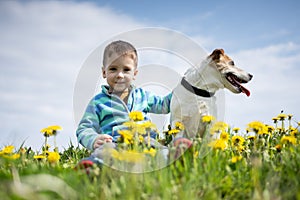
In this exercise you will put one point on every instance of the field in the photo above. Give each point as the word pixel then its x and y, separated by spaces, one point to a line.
pixel 261 162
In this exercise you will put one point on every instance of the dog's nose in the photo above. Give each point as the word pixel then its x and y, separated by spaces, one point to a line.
pixel 250 75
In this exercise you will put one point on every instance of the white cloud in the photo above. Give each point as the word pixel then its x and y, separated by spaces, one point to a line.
pixel 274 86
pixel 43 45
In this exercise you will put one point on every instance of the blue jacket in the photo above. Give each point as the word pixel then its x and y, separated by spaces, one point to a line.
pixel 106 113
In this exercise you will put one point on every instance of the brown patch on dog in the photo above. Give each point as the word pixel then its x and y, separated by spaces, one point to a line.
pixel 216 54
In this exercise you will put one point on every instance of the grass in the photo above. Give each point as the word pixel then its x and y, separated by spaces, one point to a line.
pixel 261 163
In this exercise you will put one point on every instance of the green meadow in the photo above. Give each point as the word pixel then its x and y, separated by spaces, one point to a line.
pixel 260 162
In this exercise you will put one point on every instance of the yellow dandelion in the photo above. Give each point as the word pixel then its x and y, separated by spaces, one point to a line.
pixel 294 132
pixel 224 136
pixel 148 125
pixel 141 139
pixel 278 147
pixel 51 130
pixel 240 148
pixel 150 151
pixel 258 127
pixel 127 136
pixel 275 119
pixel 39 157
pixel 208 118
pixel 282 116
pixel 173 131
pixel 252 137
pixel 218 144
pixel 218 127
pixel 136 116
pixel 270 129
pixel 11 156
pixel 179 126
pixel 53 157
pixel 235 159
pixel 288 139
pixel 237 140
pixel 7 150
pixel 130 156
pixel 236 129
pixel 135 127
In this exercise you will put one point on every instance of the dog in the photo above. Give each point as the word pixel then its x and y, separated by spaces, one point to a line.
pixel 194 97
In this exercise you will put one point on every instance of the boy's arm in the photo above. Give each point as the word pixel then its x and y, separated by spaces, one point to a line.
pixel 88 127
pixel 158 104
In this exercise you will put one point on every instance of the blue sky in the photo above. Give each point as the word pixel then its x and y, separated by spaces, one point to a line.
pixel 45 43
pixel 253 23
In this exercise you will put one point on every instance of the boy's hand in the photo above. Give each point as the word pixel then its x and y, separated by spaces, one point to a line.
pixel 101 139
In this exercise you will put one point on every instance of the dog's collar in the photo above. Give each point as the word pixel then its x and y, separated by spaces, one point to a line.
pixel 195 90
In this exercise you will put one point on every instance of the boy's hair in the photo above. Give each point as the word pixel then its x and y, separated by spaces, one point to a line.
pixel 116 49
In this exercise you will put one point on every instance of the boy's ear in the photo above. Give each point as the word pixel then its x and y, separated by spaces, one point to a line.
pixel 103 72
pixel 135 73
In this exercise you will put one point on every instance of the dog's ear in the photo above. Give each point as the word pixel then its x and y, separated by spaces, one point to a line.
pixel 215 55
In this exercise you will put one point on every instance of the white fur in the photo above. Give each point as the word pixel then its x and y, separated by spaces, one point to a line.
pixel 189 108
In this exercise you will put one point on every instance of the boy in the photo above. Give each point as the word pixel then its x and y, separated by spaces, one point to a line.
pixel 109 109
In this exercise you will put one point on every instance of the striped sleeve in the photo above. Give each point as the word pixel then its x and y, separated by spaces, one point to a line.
pixel 88 127
pixel 158 104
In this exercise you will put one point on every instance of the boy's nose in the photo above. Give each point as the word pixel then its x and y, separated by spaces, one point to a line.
pixel 120 74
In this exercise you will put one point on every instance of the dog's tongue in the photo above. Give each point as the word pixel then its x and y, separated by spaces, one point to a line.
pixel 245 90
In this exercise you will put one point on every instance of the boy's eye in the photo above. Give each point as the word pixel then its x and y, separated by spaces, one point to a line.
pixel 112 69
pixel 127 69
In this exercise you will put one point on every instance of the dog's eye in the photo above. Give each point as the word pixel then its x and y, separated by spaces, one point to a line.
pixel 231 63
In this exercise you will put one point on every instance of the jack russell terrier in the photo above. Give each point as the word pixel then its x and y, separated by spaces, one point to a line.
pixel 194 97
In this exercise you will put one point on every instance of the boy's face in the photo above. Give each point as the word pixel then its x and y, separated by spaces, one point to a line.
pixel 120 73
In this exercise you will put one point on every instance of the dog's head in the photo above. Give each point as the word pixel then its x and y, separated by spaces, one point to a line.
pixel 232 77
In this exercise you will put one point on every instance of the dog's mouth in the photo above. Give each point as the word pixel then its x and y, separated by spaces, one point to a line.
pixel 237 82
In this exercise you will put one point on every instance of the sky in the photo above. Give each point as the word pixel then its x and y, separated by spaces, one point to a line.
pixel 44 46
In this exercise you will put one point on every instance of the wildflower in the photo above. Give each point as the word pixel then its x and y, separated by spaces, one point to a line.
pixel 236 130
pixel 179 126
pixel 11 156
pixel 251 137
pixel 275 119
pixel 282 116
pixel 235 159
pixel 7 150
pixel 294 131
pixel 240 148
pixel 127 136
pixel 288 139
pixel 237 140
pixel 289 116
pixel 135 127
pixel 51 130
pixel 53 157
pixel 136 116
pixel 258 127
pixel 278 147
pixel 173 131
pixel 150 151
pixel 218 144
pixel 218 127
pixel 14 156
pixel 128 156
pixel 224 136
pixel 39 157
pixel 208 118
pixel 148 125
pixel 270 129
